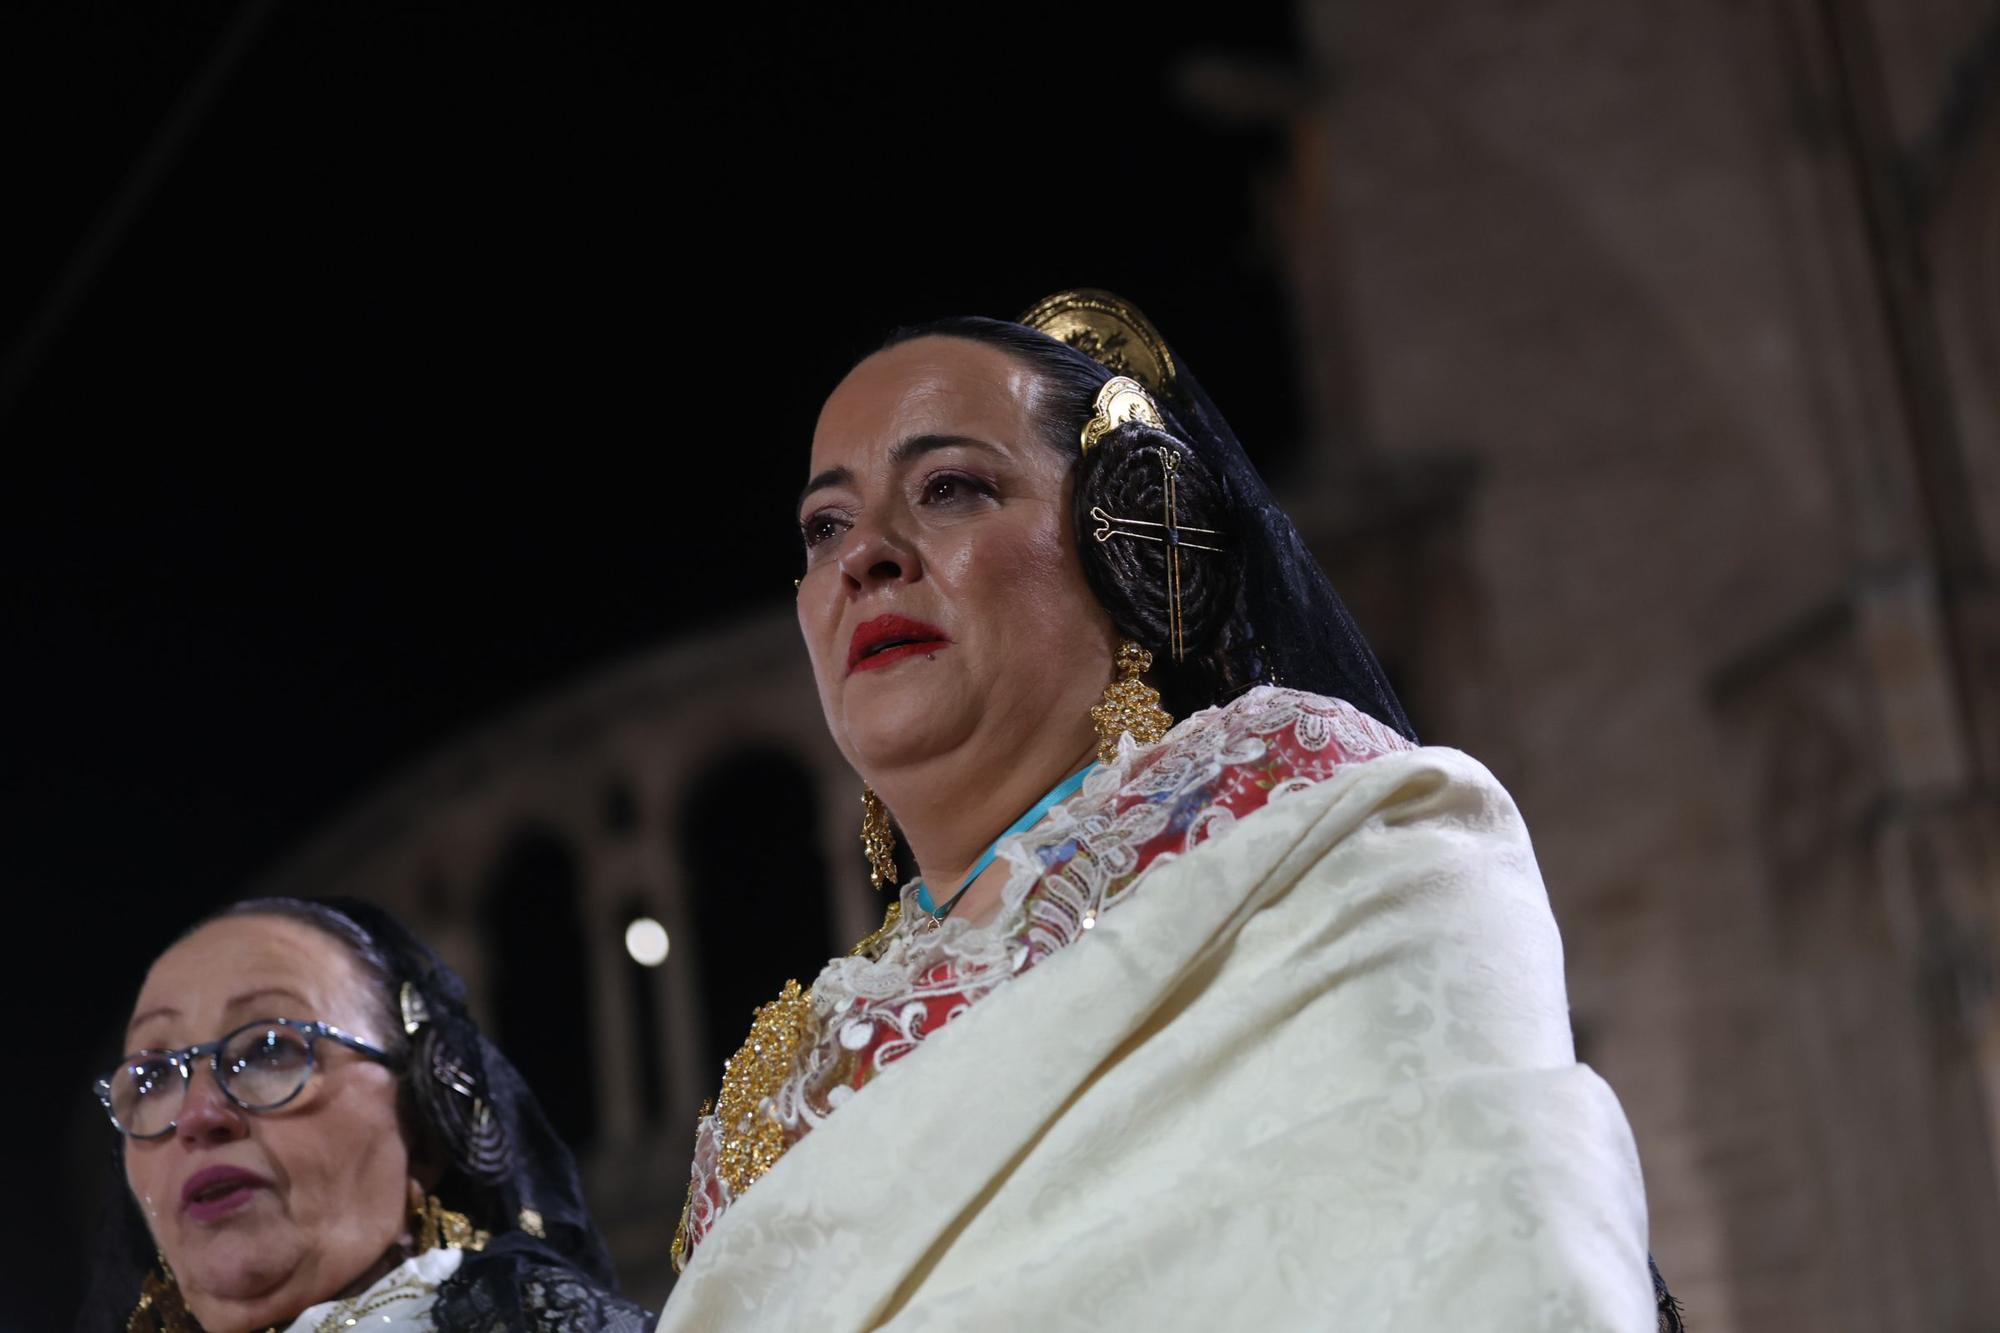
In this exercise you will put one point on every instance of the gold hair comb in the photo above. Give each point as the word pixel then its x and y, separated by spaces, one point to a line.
pixel 1110 331
pixel 1119 401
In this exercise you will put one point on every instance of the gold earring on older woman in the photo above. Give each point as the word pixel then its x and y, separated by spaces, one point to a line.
pixel 1130 705
pixel 160 1308
pixel 434 1226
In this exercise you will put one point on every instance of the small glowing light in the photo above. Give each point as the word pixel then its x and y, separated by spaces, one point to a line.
pixel 646 941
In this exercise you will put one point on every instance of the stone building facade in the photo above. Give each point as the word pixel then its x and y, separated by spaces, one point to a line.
pixel 1652 367
pixel 1705 300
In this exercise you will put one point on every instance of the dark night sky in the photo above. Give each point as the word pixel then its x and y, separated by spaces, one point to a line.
pixel 454 349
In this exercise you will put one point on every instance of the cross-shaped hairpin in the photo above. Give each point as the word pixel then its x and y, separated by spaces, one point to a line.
pixel 1170 533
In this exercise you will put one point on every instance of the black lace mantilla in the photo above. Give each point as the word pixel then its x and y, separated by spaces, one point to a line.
pixel 516 1287
pixel 1669 1308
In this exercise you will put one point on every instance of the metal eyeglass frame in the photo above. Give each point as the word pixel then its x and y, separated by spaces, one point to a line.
pixel 183 1060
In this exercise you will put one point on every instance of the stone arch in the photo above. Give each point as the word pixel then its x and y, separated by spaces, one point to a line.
pixel 756 882
pixel 541 995
pixel 646 1032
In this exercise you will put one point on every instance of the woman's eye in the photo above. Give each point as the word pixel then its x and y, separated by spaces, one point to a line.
pixel 818 528
pixel 946 487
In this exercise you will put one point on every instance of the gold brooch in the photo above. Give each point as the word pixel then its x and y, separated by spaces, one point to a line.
pixel 750 1137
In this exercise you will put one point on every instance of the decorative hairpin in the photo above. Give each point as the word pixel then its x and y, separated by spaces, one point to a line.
pixel 415 1012
pixel 1170 530
pixel 1122 399
pixel 1112 332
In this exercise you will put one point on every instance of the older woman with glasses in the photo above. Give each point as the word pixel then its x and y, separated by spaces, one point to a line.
pixel 315 1133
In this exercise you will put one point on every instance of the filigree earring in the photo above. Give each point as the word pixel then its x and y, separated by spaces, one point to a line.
pixel 1129 705
pixel 434 1226
pixel 878 844
pixel 878 840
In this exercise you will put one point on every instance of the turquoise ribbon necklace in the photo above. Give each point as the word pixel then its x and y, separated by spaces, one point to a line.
pixel 1062 791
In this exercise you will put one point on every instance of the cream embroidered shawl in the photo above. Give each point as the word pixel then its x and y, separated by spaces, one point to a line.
pixel 1315 1073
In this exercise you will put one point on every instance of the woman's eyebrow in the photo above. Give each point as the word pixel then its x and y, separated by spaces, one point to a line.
pixel 157 1011
pixel 241 998
pixel 918 445
pixel 833 476
pixel 903 451
pixel 244 997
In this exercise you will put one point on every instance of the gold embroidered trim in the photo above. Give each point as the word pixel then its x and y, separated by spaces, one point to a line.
pixel 752 1140
pixel 749 1137
pixel 678 1251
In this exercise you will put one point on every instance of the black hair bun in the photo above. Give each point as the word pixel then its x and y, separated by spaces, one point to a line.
pixel 448 1082
pixel 1124 476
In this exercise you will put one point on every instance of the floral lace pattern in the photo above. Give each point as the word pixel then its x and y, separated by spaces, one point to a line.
pixel 1153 804
pixel 527 1296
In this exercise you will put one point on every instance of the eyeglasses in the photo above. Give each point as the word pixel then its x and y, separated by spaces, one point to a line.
pixel 259 1066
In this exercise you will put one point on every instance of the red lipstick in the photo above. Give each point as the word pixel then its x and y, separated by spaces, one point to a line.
pixel 217 1191
pixel 887 639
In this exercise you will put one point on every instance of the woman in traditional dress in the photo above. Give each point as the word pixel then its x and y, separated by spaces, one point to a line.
pixel 314 1135
pixel 1251 1020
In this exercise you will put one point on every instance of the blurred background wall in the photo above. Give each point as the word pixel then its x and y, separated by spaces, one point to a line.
pixel 403 406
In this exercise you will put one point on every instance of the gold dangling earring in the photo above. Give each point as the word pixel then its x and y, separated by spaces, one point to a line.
pixel 434 1226
pixel 160 1308
pixel 878 840
pixel 1130 705
pixel 878 844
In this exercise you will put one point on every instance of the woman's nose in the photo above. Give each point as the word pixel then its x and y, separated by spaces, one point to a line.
pixel 874 554
pixel 207 1115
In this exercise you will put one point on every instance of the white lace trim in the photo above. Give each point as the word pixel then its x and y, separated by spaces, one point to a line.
pixel 1193 757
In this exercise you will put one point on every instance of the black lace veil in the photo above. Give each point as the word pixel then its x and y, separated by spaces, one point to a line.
pixel 1304 636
